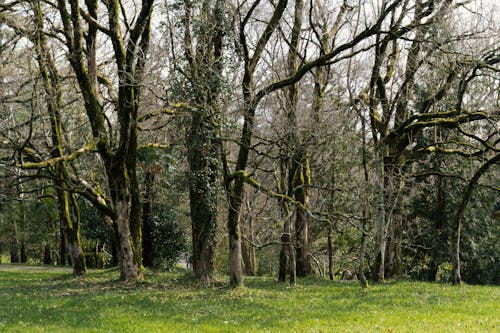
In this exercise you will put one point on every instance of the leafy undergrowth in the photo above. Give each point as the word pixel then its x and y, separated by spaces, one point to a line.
pixel 41 300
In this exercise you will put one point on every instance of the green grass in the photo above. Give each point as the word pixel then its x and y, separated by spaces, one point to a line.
pixel 41 300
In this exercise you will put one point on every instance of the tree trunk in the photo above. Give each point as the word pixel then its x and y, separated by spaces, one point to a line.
pixel 330 253
pixel 119 187
pixel 76 254
pixel 456 271
pixel 287 254
pixel 283 263
pixel 236 276
pixel 246 256
pixel 362 252
pixel 14 253
pixel 235 271
pixel 206 66
pixel 14 245
pixel 23 255
pixel 292 266
pixel 203 166
pixel 380 217
pixel 47 260
pixel 69 215
pixel 70 222
pixel 252 254
pixel 302 194
pixel 298 173
pixel 129 269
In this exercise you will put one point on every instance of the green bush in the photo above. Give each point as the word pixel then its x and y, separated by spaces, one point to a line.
pixel 444 272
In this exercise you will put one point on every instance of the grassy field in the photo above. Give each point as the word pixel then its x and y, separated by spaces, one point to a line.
pixel 51 300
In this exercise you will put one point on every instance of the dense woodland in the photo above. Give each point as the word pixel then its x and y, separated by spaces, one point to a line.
pixel 350 139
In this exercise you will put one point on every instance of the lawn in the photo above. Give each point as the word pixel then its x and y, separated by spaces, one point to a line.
pixel 51 300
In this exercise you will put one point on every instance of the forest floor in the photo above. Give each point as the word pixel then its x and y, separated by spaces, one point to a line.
pixel 51 300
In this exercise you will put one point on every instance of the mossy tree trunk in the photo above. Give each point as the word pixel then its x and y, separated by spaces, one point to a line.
pixel 118 153
pixel 69 215
pixel 203 49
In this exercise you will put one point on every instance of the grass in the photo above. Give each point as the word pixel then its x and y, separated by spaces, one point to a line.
pixel 51 300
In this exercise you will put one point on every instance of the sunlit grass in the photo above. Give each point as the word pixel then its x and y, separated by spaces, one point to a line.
pixel 53 301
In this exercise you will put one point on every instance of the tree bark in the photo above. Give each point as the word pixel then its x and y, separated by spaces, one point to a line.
pixel 203 163
pixel 206 66
pixel 120 196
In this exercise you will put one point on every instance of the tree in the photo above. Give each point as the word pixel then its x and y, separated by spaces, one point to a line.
pixel 80 29
pixel 203 46
pixel 69 214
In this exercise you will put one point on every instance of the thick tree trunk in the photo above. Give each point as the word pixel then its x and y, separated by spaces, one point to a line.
pixel 129 269
pixel 206 67
pixel 204 228
pixel 393 263
pixel 203 165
